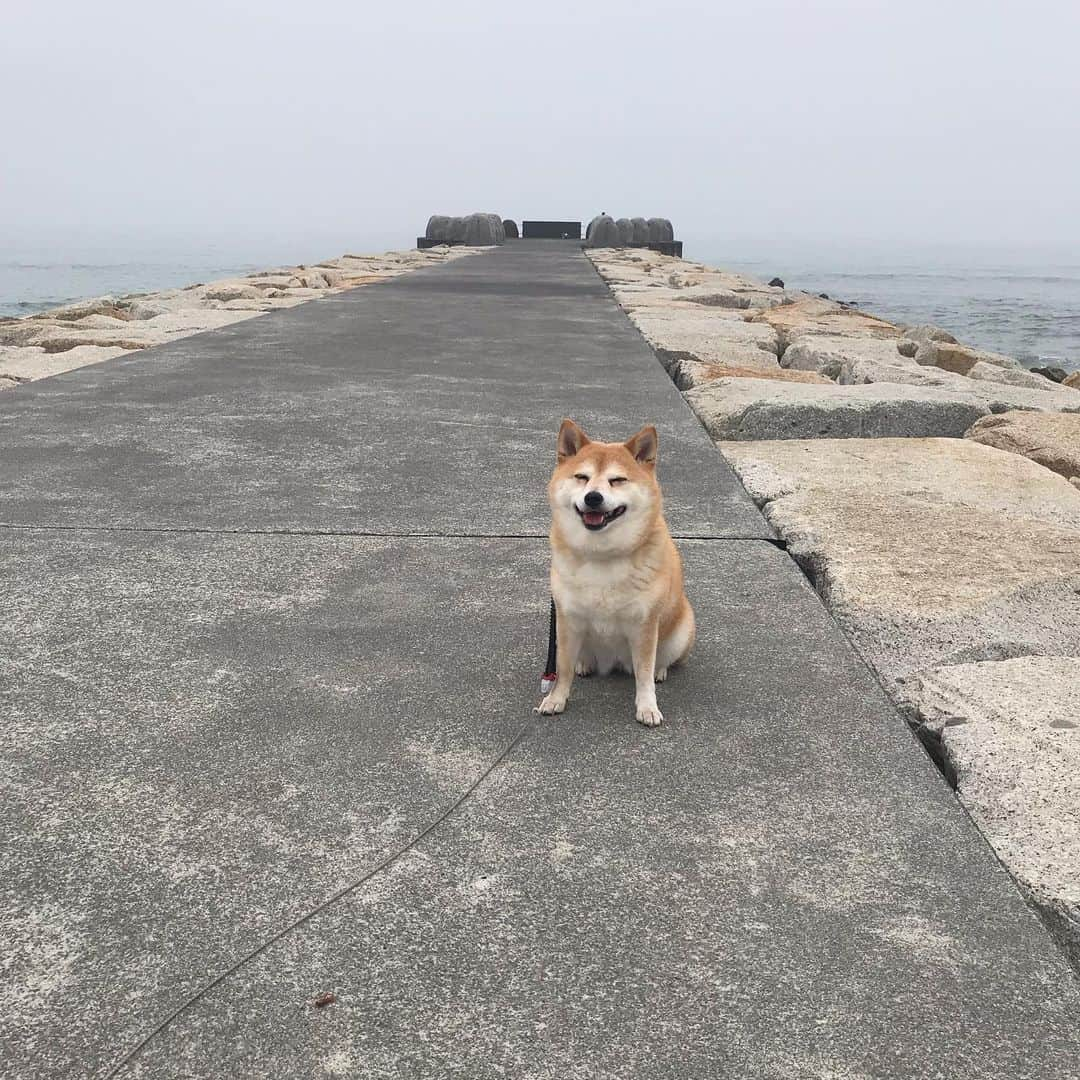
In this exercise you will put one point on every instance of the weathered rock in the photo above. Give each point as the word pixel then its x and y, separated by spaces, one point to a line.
pixel 510 228
pixel 928 551
pixel 830 354
pixel 907 348
pixel 721 299
pixel 709 336
pixel 625 230
pixel 592 225
pixel 1072 381
pixel 1051 439
pixel 228 290
pixel 29 364
pixel 1010 732
pixel 960 358
pixel 927 332
pixel 640 227
pixel 810 315
pixel 687 371
pixel 743 409
pixel 1010 377
pixel 603 232
pixel 660 231
pixel 438 228
pixel 100 305
pixel 776 283
pixel 1054 374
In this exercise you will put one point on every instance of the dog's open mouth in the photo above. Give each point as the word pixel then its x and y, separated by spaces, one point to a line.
pixel 597 519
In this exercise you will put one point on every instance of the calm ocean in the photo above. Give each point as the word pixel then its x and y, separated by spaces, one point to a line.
pixel 1018 306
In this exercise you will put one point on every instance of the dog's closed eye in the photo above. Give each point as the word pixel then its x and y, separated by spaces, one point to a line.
pixel 616 480
pixel 581 476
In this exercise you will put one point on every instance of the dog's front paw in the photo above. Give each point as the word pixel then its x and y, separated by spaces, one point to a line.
pixel 649 715
pixel 553 703
pixel 584 668
pixel 661 674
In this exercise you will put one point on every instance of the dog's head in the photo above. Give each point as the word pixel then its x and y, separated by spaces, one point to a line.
pixel 604 496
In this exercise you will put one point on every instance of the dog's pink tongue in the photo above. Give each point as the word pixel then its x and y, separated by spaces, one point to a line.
pixel 593 518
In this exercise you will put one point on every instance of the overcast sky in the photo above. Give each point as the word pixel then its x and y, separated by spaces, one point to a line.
pixel 871 124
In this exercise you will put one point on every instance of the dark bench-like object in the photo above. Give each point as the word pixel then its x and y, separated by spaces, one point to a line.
pixel 551 230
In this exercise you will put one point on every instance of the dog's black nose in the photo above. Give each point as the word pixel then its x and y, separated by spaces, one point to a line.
pixel 593 498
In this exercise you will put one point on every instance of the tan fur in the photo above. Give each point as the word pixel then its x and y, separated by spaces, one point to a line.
pixel 618 590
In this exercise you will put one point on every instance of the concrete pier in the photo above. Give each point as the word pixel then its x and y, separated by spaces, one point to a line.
pixel 274 616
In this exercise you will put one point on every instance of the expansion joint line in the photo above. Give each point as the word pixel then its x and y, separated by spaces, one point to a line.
pixel 307 916
pixel 360 534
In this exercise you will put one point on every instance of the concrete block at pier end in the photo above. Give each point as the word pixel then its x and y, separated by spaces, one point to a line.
pixel 660 230
pixel 603 232
pixel 438 228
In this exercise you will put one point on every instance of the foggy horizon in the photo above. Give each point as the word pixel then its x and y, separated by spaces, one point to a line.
pixel 853 125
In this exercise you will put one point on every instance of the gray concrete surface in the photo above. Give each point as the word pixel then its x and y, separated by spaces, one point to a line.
pixel 208 733
pixel 428 403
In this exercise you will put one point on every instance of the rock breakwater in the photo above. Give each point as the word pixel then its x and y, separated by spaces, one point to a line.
pixel 929 491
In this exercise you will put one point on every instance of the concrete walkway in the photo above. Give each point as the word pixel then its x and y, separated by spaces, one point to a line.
pixel 274 600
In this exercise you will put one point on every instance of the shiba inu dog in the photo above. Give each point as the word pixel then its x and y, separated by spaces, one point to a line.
pixel 616 575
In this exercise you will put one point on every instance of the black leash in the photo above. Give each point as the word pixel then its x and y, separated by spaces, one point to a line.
pixel 135 1050
pixel 550 674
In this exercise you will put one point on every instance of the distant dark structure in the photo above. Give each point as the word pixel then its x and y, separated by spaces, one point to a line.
pixel 551 230
pixel 478 230
pixel 656 234
pixel 777 283
pixel 510 228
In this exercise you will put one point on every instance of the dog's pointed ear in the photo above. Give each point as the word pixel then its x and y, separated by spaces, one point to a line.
pixel 644 445
pixel 571 440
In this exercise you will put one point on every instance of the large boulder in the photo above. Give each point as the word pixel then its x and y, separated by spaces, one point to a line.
pixel 749 409
pixel 603 232
pixel 626 231
pixel 510 228
pixel 926 332
pixel 811 315
pixel 1072 381
pixel 1052 439
pixel 592 225
pixel 640 230
pixel 1010 732
pixel 1054 374
pixel 833 355
pixel 438 228
pixel 961 358
pixel 660 230
pixel 712 335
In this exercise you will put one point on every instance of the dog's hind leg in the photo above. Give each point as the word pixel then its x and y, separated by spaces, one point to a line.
pixel 675 647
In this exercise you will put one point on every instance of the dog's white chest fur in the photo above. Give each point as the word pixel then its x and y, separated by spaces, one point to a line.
pixel 605 597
